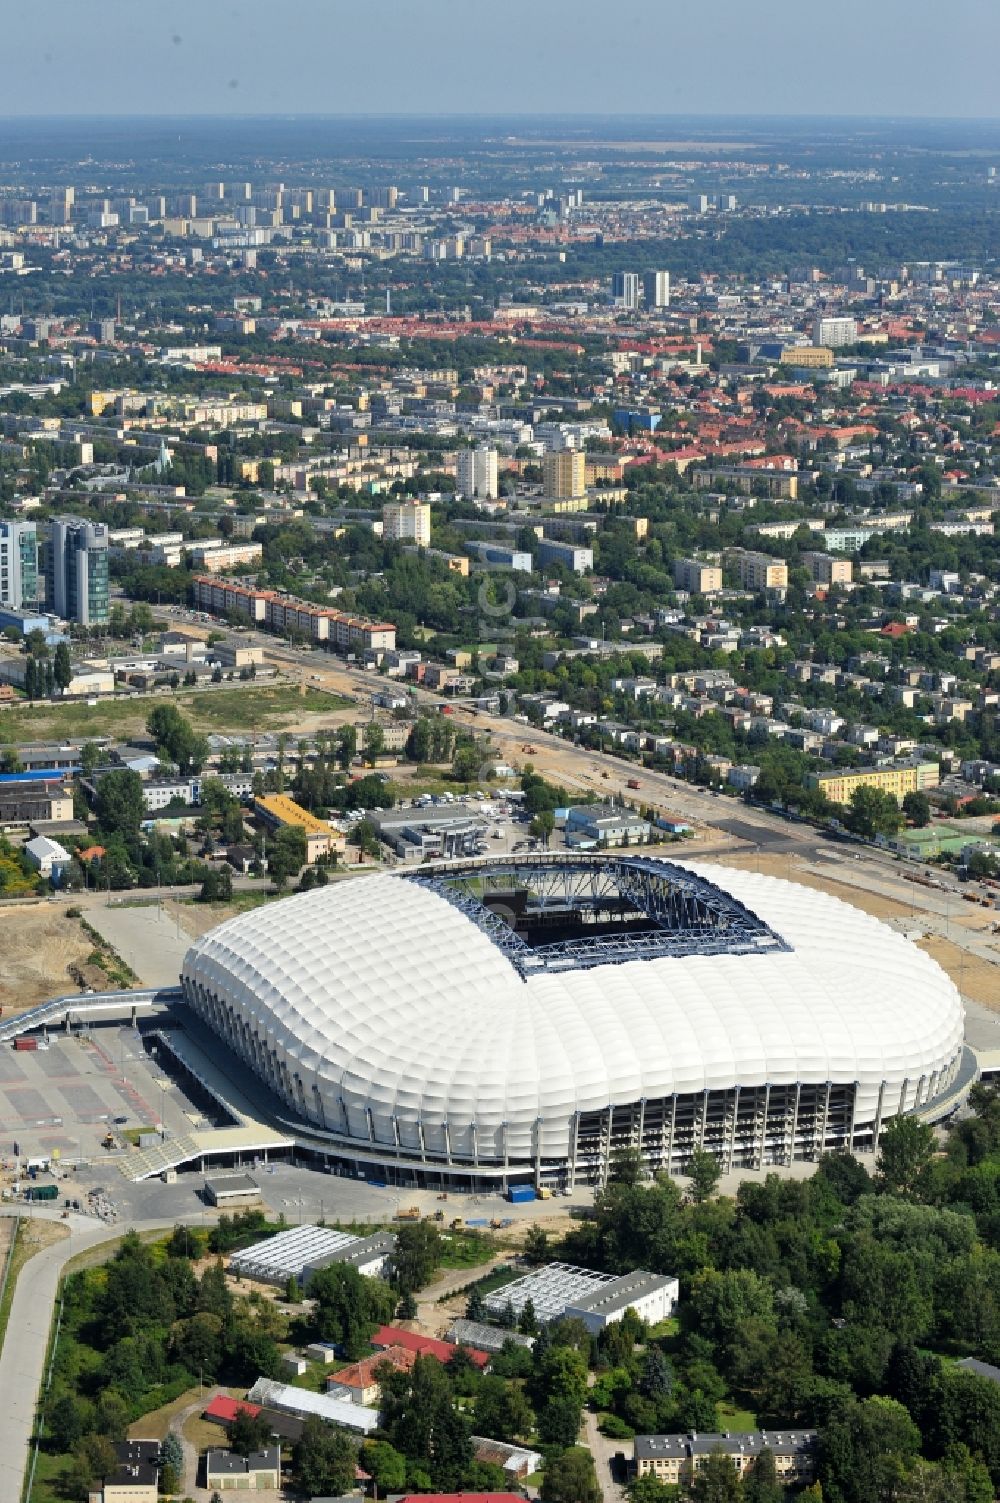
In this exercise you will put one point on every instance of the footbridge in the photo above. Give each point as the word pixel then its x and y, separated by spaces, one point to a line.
pixel 83 1007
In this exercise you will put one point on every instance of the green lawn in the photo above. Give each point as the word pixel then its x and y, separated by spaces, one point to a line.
pixel 46 1488
pixel 466 1249
pixel 247 708
pixel 665 1330
pixel 739 1420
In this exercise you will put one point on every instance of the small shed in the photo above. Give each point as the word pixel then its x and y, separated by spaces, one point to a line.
pixel 232 1190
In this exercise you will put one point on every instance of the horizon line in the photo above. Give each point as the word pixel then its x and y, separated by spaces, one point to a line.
pixel 306 115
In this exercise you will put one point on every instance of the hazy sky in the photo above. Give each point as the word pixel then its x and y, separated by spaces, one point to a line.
pixel 772 57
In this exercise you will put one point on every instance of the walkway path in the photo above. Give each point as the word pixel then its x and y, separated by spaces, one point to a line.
pixel 602 1449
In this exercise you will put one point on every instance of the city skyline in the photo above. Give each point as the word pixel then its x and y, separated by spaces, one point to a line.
pixel 726 59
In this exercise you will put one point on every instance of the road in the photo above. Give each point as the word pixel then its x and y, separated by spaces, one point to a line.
pixel 722 824
pixel 22 1360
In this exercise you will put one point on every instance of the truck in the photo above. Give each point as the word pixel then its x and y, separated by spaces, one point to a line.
pixel 633 783
pixel 408 1213
pixel 520 1194
pixel 42 1192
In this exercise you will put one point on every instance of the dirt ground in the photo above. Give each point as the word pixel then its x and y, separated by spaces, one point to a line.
pixel 197 919
pixel 974 977
pixel 38 944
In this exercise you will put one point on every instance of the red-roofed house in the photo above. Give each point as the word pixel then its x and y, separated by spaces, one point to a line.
pixel 424 1346
pixel 223 1410
pixel 360 1383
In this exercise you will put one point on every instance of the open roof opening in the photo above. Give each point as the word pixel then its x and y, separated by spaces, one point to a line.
pixel 561 913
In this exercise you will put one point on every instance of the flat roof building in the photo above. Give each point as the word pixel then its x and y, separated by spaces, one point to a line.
pixel 696 578
pixel 652 1296
pixel 232 1190
pixel 598 1299
pixel 303 1250
pixel 278 811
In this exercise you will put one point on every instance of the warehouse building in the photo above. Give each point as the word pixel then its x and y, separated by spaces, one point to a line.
pixel 302 1251
pixel 598 1299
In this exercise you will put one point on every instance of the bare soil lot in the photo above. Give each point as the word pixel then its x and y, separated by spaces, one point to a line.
pixel 38 945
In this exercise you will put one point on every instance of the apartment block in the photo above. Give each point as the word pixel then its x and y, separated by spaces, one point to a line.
pixel 696 578
pixel 759 571
pixel 835 331
pixel 477 473
pixel 18 564
pixel 564 472
pixel 407 522
pixel 899 780
pixel 578 560
pixel 827 570
pixel 284 613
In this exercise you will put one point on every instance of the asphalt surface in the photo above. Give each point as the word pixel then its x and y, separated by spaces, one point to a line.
pixel 22 1360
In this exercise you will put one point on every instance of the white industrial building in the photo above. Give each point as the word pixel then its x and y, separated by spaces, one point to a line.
pixel 302 1251
pixel 559 1008
pixel 598 1299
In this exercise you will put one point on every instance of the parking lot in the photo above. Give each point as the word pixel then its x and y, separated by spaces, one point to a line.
pixel 62 1099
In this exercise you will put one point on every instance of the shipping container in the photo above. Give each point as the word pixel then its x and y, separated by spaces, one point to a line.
pixel 520 1194
pixel 25 1042
pixel 42 1192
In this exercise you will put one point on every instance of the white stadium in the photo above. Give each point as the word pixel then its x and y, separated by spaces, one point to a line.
pixel 524 1019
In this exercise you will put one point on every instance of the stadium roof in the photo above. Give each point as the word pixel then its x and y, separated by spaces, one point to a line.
pixel 389 1003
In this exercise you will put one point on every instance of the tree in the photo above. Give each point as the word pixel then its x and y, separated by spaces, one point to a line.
pixel 704 1173
pixel 374 741
pixel 863 1446
pixel 385 1466
pixel 171 1463
pixel 121 807
pixel 415 1256
pixel 197 1343
pixel 917 808
pixel 527 1322
pixel 559 1420
pixel 761 1483
pixel 67 1422
pixel 90 758
pixel 420 1420
pixel 905 1150
pixel 348 1307
pixel 502 1412
pixel 347 746
pixel 571 1478
pixel 649 1489
pixel 542 825
pixel 656 1378
pixel 287 854
pixel 249 1432
pixel 63 667
pixel 536 1245
pixel 176 738
pixel 873 812
pixel 716 1480
pixel 325 1459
